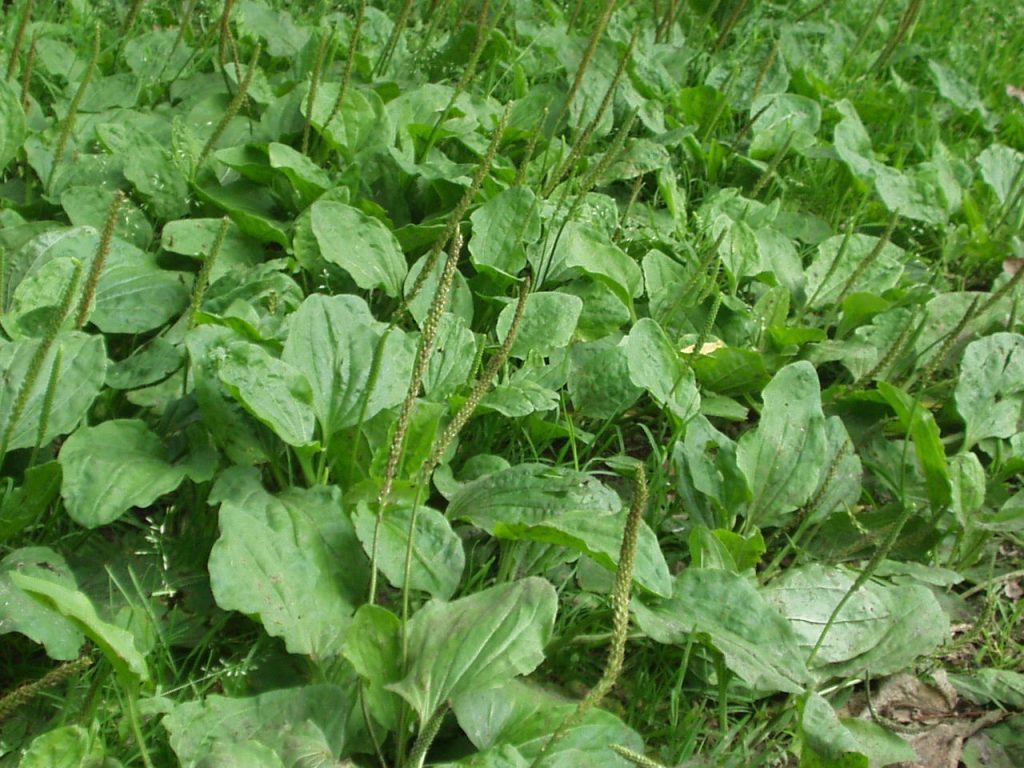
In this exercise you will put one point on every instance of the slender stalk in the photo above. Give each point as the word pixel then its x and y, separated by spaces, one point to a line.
pixel 588 55
pixel 840 253
pixel 428 335
pixel 868 260
pixel 765 69
pixel 39 357
pixel 773 166
pixel 225 33
pixel 865 31
pixel 730 22
pixel 314 83
pixel 19 38
pixel 47 409
pixel 26 75
pixel 862 577
pixel 586 185
pixel 479 389
pixel 133 15
pixel 484 27
pixel 24 694
pixel 583 139
pixel 948 340
pixel 435 15
pixel 531 148
pixel 392 43
pixel 96 268
pixel 899 34
pixel 621 590
pixel 574 16
pixel 350 60
pixel 203 278
pixel 1004 289
pixel 232 109
pixel 455 217
pixel 76 101
pixel 185 24
pixel 636 758
pixel 426 737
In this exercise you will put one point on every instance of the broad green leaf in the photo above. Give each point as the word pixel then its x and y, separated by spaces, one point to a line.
pixel 333 341
pixel 917 626
pixel 520 398
pixel 452 359
pixel 603 312
pixel 807 596
pixel 664 280
pixel 998 746
pixel 292 561
pixel 135 294
pixel 296 724
pixel 783 457
pixel 569 509
pixel 277 29
pixel 549 320
pixel 360 244
pixel 88 206
pixel 152 170
pixel 270 389
pixel 1001 687
pixel 727 611
pixel 882 746
pixel 523 715
pixel 839 483
pixel 253 208
pixel 599 382
pixel 361 127
pixel 967 487
pixel 730 371
pixel 419 305
pixel 112 467
pixel 956 90
pixel 158 54
pixel 68 745
pixel 920 426
pixel 721 548
pixel 20 613
pixel 374 648
pixel 147 365
pixel 925 192
pixel 195 237
pixel 437 555
pixel 990 392
pixel 247 754
pixel 826 743
pixel 502 227
pixel 231 427
pixel 501 756
pixel 1000 168
pixel 78 382
pixel 584 249
pixel 21 506
pixel 706 471
pixel 655 365
pixel 309 179
pixel 12 124
pixel 117 644
pixel 476 642
pixel 835 265
pixel 783 118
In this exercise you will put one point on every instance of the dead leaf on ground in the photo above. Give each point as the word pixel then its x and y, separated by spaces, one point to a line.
pixel 929 717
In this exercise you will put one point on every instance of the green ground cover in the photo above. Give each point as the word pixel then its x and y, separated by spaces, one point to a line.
pixel 511 383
